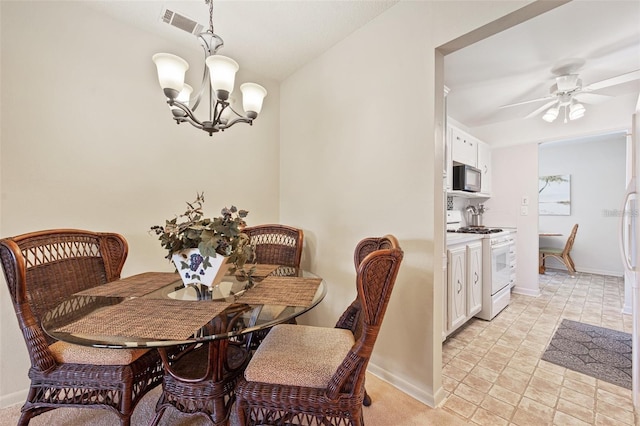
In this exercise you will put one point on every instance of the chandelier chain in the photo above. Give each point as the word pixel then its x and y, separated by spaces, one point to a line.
pixel 210 3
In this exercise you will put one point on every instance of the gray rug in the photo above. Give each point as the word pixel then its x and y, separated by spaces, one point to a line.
pixel 596 351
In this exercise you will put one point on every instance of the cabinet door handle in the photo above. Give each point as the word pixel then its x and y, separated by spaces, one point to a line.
pixel 459 286
pixel 475 278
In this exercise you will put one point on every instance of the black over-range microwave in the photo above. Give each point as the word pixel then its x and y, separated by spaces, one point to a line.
pixel 466 178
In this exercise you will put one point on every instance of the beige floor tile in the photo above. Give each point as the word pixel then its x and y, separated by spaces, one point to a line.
pixel 497 407
pixel 486 418
pixel 574 410
pixel 477 383
pixel 614 399
pixel 541 396
pixel 578 398
pixel 460 406
pixel 562 419
pixel 468 393
pixel 578 386
pixel 505 395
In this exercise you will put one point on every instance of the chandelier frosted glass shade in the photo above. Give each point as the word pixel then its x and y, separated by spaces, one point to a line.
pixel 171 71
pixel 252 97
pixel 222 71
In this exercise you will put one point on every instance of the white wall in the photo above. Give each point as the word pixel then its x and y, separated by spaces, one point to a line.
pixel 515 175
pixel 87 142
pixel 597 169
pixel 359 159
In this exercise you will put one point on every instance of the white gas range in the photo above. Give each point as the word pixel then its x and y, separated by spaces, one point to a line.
pixel 497 278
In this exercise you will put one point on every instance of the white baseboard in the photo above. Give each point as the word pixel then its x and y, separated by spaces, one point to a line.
pixel 526 291
pixel 429 398
pixel 13 398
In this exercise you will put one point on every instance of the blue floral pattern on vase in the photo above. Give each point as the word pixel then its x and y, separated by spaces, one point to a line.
pixel 197 269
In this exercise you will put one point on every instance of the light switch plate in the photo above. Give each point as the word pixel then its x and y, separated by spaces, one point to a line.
pixel 525 201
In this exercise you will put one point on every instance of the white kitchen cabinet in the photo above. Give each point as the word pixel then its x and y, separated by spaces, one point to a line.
pixel 464 147
pixel 456 288
pixel 464 284
pixel 474 278
pixel 484 164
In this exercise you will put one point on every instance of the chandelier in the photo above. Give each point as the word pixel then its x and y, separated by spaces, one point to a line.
pixel 218 81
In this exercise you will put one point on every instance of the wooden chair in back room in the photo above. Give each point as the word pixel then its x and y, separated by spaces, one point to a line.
pixel 562 254
pixel 315 375
pixel 42 269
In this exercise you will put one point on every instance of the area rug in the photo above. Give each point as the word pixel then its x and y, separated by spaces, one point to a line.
pixel 596 351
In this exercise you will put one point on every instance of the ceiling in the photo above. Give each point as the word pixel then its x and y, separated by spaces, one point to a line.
pixel 274 37
pixel 516 65
pixel 278 37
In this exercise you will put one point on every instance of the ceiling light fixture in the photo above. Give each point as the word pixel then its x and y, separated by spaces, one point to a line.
pixel 218 80
pixel 572 110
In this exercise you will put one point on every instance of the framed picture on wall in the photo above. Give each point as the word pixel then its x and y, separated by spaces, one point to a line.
pixel 554 195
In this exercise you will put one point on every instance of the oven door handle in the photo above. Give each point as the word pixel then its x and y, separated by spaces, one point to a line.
pixel 501 245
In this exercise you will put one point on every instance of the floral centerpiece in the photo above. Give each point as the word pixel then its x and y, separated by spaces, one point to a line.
pixel 200 247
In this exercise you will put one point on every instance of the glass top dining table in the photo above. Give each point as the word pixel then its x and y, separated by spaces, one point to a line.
pixel 155 309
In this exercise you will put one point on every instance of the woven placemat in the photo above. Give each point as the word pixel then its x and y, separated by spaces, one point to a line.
pixel 287 291
pixel 134 286
pixel 260 269
pixel 148 318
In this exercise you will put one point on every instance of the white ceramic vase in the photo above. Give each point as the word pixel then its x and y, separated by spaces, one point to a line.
pixel 197 269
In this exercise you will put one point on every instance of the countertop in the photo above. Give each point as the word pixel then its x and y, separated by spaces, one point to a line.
pixel 455 238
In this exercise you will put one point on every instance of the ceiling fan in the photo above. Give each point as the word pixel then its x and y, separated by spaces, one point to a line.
pixel 569 94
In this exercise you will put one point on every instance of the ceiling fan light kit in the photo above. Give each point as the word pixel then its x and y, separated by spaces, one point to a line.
pixel 568 94
pixel 218 81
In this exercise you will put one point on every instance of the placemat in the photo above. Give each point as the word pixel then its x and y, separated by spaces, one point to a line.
pixel 289 291
pixel 148 318
pixel 134 286
pixel 261 269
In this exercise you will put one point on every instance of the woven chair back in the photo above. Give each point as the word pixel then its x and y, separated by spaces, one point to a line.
pixel 572 237
pixel 276 244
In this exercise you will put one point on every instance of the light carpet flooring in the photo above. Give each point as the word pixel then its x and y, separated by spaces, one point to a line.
pixel 492 371
pixel 493 374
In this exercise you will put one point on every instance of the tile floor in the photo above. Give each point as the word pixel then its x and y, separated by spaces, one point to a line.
pixel 493 374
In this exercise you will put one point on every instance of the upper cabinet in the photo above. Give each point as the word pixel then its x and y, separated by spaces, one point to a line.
pixel 463 148
pixel 484 164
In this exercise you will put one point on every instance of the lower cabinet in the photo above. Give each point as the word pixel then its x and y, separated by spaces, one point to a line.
pixel 464 284
pixel 474 278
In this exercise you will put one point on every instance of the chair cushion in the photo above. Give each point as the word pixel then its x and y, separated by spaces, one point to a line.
pixel 299 355
pixel 551 250
pixel 68 353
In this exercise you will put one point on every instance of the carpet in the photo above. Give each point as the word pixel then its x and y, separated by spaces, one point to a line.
pixel 596 351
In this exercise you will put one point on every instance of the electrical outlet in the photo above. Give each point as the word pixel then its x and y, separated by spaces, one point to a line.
pixel 524 211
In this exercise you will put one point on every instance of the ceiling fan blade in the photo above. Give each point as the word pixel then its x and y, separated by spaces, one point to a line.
pixel 591 98
pixel 528 102
pixel 613 81
pixel 542 108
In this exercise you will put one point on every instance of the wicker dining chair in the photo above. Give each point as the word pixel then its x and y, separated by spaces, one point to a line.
pixel 276 244
pixel 42 269
pixel 315 375
pixel 561 254
pixel 363 248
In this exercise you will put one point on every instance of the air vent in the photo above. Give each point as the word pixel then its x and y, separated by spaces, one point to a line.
pixel 180 21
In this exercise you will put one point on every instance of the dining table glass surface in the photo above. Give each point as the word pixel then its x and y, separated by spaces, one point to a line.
pixel 155 309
